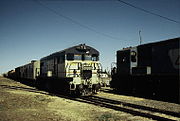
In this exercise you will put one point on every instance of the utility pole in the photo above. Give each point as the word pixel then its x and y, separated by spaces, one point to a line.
pixel 140 38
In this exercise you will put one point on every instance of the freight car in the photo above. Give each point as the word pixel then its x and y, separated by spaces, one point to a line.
pixel 28 71
pixel 73 70
pixel 151 70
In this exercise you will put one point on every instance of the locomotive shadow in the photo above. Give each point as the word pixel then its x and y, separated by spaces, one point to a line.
pixel 35 89
pixel 36 86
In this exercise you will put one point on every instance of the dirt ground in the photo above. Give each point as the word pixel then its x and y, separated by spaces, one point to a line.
pixel 19 102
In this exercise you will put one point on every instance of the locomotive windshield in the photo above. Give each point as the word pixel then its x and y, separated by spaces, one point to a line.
pixel 86 57
pixel 77 57
pixel 71 56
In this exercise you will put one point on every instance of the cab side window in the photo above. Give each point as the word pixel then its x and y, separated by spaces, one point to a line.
pixel 70 56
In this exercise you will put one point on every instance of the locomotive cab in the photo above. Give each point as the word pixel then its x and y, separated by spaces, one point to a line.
pixel 127 60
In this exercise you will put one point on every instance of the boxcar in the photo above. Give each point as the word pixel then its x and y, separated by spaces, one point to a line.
pixel 28 71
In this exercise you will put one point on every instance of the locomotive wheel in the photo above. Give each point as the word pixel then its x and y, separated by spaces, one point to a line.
pixel 86 92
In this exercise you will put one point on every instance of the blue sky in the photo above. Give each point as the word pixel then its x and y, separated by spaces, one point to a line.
pixel 30 31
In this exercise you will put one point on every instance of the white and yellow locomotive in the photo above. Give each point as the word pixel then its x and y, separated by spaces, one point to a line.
pixel 76 69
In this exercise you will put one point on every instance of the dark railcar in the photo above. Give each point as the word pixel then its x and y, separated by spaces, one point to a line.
pixel 166 57
pixel 150 69
pixel 162 57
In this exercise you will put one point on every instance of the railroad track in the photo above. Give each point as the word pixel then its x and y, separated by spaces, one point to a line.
pixel 134 109
pixel 138 106
pixel 138 110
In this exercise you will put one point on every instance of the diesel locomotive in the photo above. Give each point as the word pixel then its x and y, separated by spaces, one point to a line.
pixel 151 69
pixel 74 70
